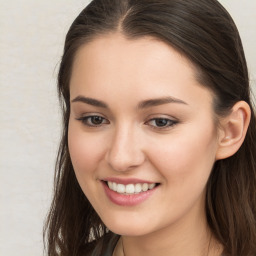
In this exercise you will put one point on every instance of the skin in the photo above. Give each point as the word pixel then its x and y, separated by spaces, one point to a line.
pixel 128 143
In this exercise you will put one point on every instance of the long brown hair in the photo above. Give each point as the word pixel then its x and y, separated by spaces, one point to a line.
pixel 203 32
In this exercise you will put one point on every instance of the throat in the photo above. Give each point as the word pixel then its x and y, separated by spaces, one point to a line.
pixel 211 248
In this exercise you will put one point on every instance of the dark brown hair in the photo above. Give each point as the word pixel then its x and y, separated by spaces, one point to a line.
pixel 203 32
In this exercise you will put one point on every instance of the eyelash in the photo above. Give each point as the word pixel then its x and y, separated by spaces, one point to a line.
pixel 169 123
pixel 87 120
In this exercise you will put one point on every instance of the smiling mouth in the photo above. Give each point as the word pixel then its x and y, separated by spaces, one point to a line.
pixel 130 189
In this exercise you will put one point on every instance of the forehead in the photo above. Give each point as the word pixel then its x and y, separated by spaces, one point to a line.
pixel 115 50
pixel 112 64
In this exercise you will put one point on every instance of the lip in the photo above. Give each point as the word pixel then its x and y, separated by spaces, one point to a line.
pixel 128 200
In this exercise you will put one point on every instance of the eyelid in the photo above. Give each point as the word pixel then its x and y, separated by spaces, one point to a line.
pixel 172 122
pixel 85 117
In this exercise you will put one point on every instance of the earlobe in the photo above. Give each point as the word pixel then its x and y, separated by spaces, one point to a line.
pixel 233 129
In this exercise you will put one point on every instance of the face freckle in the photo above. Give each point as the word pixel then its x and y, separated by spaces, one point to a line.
pixel 138 114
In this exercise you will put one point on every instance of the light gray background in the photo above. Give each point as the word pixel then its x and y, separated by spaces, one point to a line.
pixel 31 42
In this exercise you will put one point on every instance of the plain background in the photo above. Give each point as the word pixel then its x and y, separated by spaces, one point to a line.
pixel 31 41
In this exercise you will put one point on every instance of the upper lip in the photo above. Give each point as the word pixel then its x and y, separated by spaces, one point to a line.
pixel 127 181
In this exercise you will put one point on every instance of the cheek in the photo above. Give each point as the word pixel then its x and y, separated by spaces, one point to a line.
pixel 85 150
pixel 187 156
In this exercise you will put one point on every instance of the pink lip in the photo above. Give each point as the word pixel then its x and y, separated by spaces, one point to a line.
pixel 127 200
pixel 128 181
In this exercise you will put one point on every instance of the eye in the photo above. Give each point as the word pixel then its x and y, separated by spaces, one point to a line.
pixel 93 120
pixel 161 123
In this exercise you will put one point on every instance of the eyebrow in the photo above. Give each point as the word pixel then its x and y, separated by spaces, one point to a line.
pixel 144 104
pixel 90 101
pixel 160 101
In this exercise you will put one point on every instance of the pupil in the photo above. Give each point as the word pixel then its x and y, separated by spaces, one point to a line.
pixel 97 120
pixel 161 122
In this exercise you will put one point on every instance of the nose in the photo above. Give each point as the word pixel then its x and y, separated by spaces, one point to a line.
pixel 125 151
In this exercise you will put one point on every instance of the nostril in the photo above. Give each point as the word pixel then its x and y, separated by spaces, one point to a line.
pixel 124 155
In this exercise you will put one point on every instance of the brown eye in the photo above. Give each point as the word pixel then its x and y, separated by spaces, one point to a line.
pixel 96 120
pixel 161 123
pixel 93 121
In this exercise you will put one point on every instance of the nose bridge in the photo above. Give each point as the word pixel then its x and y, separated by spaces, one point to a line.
pixel 125 150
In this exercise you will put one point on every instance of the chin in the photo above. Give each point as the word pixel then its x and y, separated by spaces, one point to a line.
pixel 129 231
pixel 128 227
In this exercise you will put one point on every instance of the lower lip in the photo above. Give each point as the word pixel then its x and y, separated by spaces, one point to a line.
pixel 127 200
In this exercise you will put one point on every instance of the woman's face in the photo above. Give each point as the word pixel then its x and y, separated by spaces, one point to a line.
pixel 142 123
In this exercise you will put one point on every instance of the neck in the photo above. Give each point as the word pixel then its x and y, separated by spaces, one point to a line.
pixel 214 249
pixel 181 239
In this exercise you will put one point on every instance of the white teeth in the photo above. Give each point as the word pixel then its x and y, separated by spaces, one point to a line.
pixel 138 188
pixel 151 186
pixel 130 188
pixel 110 185
pixel 120 188
pixel 145 187
pixel 114 186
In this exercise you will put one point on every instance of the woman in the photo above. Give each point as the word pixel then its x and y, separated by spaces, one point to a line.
pixel 158 149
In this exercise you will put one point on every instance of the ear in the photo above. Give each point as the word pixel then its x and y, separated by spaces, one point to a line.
pixel 232 130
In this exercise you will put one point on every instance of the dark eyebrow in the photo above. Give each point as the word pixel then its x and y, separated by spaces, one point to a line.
pixel 144 104
pixel 159 101
pixel 90 101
